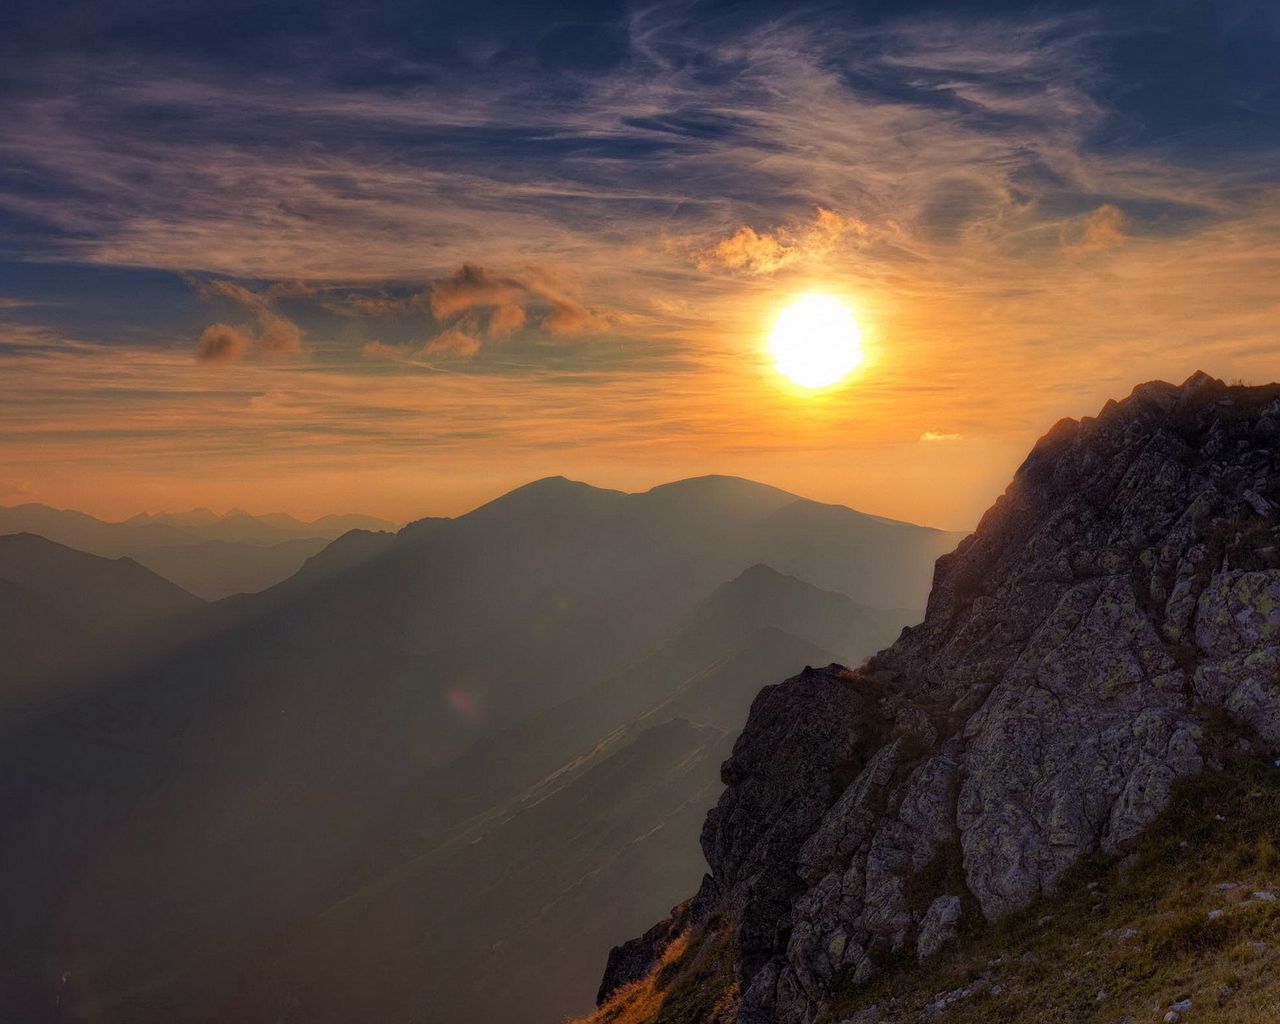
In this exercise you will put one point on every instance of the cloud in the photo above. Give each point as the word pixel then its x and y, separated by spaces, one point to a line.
pixel 280 337
pixel 756 252
pixel 932 437
pixel 506 319
pixel 568 319
pixel 1102 228
pixel 454 343
pixel 749 250
pixel 221 343
pixel 221 289
pixel 276 336
pixel 486 305
pixel 470 287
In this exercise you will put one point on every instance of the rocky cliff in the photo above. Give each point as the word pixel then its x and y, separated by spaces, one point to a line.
pixel 1111 626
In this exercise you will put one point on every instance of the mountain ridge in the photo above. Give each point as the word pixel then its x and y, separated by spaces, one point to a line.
pixel 67 614
pixel 207 554
pixel 1112 626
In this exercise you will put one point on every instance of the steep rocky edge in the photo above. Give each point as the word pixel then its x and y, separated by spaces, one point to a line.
pixel 1111 626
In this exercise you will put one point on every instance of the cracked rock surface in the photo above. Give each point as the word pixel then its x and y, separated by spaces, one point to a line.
pixel 1111 625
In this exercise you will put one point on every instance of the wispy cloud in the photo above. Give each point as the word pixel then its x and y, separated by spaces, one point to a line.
pixel 477 268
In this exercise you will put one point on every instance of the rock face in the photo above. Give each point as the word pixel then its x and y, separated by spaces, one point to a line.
pixel 1112 624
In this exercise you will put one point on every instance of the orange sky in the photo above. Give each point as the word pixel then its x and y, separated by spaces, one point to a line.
pixel 283 311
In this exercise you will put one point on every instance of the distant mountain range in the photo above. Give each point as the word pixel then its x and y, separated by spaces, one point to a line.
pixel 208 554
pixel 425 745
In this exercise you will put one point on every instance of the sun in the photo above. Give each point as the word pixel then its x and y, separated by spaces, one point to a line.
pixel 816 342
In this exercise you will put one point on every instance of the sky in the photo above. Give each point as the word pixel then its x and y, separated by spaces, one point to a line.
pixel 397 258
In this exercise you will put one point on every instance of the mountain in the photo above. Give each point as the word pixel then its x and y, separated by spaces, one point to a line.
pixel 604 831
pixel 1110 629
pixel 327 730
pixel 64 615
pixel 745 613
pixel 207 554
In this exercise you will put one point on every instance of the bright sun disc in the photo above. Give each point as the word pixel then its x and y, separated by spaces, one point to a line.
pixel 816 342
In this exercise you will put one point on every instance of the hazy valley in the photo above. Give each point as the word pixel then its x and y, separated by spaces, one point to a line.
pixel 403 806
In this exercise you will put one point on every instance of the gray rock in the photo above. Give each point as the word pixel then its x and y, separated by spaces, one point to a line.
pixel 1044 710
pixel 941 924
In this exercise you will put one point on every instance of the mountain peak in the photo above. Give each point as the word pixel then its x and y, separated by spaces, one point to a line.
pixel 550 494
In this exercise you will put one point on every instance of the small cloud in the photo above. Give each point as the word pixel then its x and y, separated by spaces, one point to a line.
pixel 276 338
pixel 568 318
pixel 487 307
pixel 751 251
pixel 257 300
pixel 454 343
pixel 756 252
pixel 280 337
pixel 1103 228
pixel 229 290
pixel 930 436
pixel 470 287
pixel 506 320
pixel 221 343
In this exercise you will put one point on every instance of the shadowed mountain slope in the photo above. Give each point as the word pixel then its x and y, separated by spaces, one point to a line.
pixel 526 890
pixel 67 618
pixel 299 730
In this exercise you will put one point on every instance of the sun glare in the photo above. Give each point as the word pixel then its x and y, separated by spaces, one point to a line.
pixel 816 342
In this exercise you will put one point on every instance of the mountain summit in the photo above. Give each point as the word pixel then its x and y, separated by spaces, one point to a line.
pixel 1112 626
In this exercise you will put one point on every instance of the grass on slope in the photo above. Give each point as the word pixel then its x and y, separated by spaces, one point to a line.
pixel 1121 942
pixel 692 984
pixel 1125 941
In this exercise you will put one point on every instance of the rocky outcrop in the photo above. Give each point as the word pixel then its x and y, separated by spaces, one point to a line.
pixel 635 958
pixel 1112 624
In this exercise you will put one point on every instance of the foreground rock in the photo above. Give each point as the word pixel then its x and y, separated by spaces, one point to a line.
pixel 1113 624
